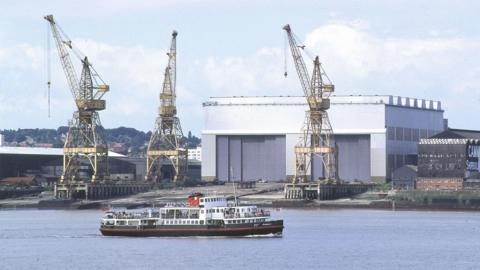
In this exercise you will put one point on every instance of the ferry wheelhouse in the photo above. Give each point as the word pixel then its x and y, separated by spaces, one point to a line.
pixel 200 216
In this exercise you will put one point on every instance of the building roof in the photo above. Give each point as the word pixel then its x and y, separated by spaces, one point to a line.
pixel 449 141
pixel 9 150
pixel 457 134
pixel 351 99
pixel 404 171
pixel 412 167
pixel 407 167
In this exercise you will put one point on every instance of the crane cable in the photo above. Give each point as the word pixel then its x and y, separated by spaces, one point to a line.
pixel 285 52
pixel 285 57
pixel 77 52
pixel 307 53
pixel 48 67
pixel 302 46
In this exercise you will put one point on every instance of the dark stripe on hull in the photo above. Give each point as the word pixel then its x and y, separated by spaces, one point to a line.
pixel 275 227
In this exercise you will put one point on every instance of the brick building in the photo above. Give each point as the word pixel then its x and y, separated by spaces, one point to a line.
pixel 448 160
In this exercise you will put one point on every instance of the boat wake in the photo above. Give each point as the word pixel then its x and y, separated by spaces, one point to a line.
pixel 46 236
pixel 271 235
pixel 74 236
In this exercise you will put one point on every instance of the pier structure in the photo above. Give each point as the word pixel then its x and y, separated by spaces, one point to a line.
pixel 93 191
pixel 324 191
pixel 245 184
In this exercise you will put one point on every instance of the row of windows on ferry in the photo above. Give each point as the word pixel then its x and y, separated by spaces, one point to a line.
pixel 179 213
pixel 409 134
pixel 196 222
pixel 212 199
pixel 243 221
pixel 166 222
pixel 183 222
pixel 194 213
pixel 231 210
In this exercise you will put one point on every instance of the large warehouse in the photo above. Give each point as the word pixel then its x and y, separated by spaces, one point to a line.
pixel 48 163
pixel 251 138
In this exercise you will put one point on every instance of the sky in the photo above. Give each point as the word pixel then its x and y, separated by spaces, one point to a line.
pixel 422 49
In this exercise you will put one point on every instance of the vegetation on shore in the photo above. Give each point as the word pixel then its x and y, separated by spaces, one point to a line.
pixel 128 141
pixel 460 198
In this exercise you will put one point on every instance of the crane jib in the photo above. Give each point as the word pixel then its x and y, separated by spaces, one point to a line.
pixel 91 85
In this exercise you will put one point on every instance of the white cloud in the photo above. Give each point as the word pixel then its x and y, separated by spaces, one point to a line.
pixel 361 62
pixel 359 53
pixel 22 56
pixel 258 74
pixel 354 57
pixel 135 70
pixel 444 69
pixel 134 73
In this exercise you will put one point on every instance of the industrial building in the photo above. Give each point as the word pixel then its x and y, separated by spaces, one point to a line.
pixel 48 163
pixel 195 153
pixel 449 161
pixel 405 177
pixel 251 138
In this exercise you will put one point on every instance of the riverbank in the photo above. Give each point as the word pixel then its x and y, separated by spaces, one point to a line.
pixel 268 195
pixel 45 200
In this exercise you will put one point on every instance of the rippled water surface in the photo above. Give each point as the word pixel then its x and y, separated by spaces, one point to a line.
pixel 313 239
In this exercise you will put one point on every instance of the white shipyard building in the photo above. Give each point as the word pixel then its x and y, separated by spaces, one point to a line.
pixel 252 138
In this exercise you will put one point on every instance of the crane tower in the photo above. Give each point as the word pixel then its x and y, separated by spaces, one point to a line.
pixel 317 139
pixel 85 144
pixel 165 146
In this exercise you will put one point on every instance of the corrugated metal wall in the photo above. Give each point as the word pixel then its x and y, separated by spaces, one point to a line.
pixel 222 158
pixel 251 157
pixel 235 157
pixel 353 158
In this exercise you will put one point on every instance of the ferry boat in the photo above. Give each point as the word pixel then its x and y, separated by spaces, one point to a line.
pixel 199 216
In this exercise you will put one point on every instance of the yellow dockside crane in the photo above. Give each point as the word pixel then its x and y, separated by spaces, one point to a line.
pixel 317 139
pixel 85 144
pixel 165 146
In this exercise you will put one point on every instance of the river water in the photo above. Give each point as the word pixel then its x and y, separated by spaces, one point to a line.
pixel 313 239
